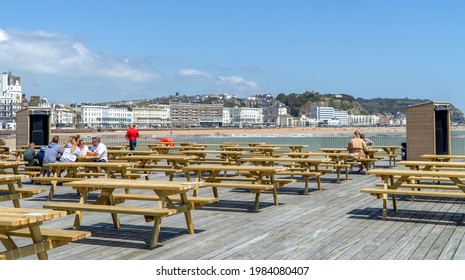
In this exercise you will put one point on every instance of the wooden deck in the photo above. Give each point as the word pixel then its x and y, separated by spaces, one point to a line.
pixel 336 223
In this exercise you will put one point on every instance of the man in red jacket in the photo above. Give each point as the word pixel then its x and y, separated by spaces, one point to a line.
pixel 132 135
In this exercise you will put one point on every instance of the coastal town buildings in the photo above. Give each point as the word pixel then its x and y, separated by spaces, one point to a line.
pixel 187 114
pixel 152 116
pixel 242 117
pixel 105 117
pixel 203 110
pixel 10 100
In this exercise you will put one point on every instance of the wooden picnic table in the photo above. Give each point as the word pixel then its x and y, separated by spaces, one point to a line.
pixel 151 163
pixel 292 147
pixel 443 157
pixel 250 144
pixel 266 151
pixel 229 157
pixel 390 152
pixel 262 178
pixel 116 154
pixel 105 202
pixel 27 223
pixel 163 150
pixel 394 180
pixel 433 165
pixel 13 193
pixel 14 166
pixel 307 167
pixel 73 170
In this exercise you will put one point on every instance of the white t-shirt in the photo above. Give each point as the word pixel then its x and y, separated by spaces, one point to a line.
pixel 69 156
pixel 101 149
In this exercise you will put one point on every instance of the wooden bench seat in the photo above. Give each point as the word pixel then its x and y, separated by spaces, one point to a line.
pixel 52 181
pixel 254 188
pixel 424 186
pixel 93 174
pixel 150 214
pixel 21 193
pixel 380 192
pixel 306 175
pixel 54 234
pixel 146 171
pixel 25 172
pixel 212 161
pixel 72 207
pixel 197 201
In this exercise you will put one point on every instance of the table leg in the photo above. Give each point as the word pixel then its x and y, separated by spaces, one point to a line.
pixel 36 238
pixel 187 213
pixel 12 190
pixel 155 232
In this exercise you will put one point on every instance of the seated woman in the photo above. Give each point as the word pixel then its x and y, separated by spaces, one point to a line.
pixel 71 151
pixel 358 148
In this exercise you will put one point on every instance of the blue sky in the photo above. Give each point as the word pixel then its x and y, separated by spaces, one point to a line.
pixel 75 51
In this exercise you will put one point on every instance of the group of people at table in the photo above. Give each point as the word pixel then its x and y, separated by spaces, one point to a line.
pixel 74 148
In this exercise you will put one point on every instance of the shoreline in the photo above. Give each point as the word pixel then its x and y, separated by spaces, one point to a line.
pixel 244 132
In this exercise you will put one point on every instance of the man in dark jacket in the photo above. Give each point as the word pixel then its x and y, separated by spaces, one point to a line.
pixel 30 155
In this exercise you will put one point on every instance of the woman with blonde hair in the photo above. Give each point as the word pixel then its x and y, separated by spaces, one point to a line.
pixel 358 149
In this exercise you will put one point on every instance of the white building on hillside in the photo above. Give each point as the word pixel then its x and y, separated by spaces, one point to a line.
pixel 105 117
pixel 363 120
pixel 10 100
pixel 242 116
pixel 322 113
pixel 62 116
pixel 152 116
pixel 342 116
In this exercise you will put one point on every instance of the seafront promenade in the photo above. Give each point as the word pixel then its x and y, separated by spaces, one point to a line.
pixel 338 222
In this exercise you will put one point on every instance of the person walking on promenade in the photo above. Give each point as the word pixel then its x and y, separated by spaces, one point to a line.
pixel 132 135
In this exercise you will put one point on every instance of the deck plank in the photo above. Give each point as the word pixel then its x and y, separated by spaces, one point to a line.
pixel 338 222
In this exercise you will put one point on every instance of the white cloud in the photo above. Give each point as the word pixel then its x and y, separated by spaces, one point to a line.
pixel 231 81
pixel 64 56
pixel 3 36
pixel 194 73
pixel 239 81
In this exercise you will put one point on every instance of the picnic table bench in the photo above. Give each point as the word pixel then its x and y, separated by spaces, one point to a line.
pixel 13 193
pixel 105 203
pixel 394 182
pixel 27 223
pixel 264 175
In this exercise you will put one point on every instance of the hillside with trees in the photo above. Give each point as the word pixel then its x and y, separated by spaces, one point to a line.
pixel 302 103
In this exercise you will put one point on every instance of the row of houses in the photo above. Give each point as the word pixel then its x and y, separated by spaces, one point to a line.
pixel 189 115
pixel 260 110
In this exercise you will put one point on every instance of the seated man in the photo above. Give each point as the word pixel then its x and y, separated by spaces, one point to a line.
pixel 52 152
pixel 99 149
pixel 30 155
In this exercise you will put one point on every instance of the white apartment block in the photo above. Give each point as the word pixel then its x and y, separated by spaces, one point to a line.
pixel 105 117
pixel 243 116
pixel 363 119
pixel 62 116
pixel 10 100
pixel 151 117
pixel 342 116
pixel 322 113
